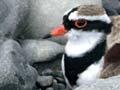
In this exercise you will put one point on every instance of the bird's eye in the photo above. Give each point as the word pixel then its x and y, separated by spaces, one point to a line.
pixel 80 23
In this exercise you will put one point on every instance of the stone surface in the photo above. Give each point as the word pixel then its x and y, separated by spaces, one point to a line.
pixel 60 80
pixel 15 72
pixel 50 88
pixel 56 74
pixel 41 50
pixel 61 86
pixel 107 84
pixel 58 86
pixel 55 84
pixel 45 81
pixel 12 15
pixel 42 19
pixel 112 7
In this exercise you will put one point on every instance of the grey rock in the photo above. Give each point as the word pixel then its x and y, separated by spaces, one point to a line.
pixel 41 50
pixel 60 80
pixel 61 40
pixel 42 20
pixel 61 86
pixel 47 72
pixel 12 14
pixel 58 86
pixel 15 72
pixel 55 84
pixel 45 80
pixel 50 88
pixel 103 84
pixel 112 7
pixel 57 74
pixel 54 66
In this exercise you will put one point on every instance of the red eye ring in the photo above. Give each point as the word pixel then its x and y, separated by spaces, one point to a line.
pixel 81 23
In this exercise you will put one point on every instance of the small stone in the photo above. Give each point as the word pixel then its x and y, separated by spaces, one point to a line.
pixel 60 80
pixel 54 81
pixel 55 84
pixel 61 87
pixel 58 86
pixel 45 80
pixel 50 88
pixel 47 72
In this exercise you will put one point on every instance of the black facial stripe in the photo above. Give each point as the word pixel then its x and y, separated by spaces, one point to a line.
pixel 66 21
pixel 98 25
pixel 75 66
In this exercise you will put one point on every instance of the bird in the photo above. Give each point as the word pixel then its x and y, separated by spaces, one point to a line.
pixel 112 57
pixel 86 27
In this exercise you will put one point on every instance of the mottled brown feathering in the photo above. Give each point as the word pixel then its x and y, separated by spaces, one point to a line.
pixel 114 37
pixel 112 56
pixel 91 10
pixel 112 62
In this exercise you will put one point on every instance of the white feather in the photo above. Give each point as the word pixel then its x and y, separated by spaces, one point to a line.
pixel 81 42
pixel 74 16
pixel 63 70
pixel 67 11
pixel 91 73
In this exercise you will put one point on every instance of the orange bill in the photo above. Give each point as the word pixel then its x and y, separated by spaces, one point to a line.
pixel 59 31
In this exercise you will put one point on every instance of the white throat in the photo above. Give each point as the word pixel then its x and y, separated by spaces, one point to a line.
pixel 80 42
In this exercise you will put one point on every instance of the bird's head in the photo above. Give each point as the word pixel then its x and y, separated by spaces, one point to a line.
pixel 83 19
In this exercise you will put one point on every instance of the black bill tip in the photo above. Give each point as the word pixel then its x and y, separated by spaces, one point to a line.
pixel 47 36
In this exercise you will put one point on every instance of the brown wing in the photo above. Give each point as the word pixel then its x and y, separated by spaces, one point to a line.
pixel 112 56
pixel 114 36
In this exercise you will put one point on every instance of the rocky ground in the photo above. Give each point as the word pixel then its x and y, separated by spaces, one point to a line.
pixel 28 62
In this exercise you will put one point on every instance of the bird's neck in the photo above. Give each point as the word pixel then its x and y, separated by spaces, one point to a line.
pixel 78 45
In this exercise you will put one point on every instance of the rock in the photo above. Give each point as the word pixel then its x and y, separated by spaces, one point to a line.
pixel 112 7
pixel 60 80
pixel 50 88
pixel 104 84
pixel 61 40
pixel 54 65
pixel 12 15
pixel 59 86
pixel 55 84
pixel 41 50
pixel 45 81
pixel 42 20
pixel 15 72
pixel 35 88
pixel 47 72
pixel 56 74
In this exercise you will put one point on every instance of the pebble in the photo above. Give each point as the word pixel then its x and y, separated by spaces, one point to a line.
pixel 45 81
pixel 61 87
pixel 50 88
pixel 60 80
pixel 54 74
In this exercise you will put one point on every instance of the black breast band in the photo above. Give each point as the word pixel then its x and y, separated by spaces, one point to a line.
pixel 74 66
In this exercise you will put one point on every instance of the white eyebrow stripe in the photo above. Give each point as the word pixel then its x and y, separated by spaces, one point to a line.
pixel 67 11
pixel 104 17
